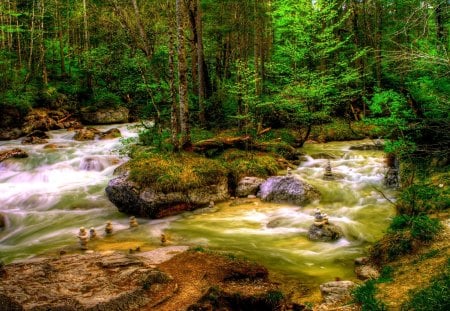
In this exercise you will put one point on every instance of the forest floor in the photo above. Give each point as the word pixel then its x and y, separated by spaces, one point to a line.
pixel 415 271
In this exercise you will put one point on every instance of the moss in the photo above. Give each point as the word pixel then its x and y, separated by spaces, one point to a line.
pixel 175 172
pixel 243 163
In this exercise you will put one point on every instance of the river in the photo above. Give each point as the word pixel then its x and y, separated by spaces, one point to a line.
pixel 48 196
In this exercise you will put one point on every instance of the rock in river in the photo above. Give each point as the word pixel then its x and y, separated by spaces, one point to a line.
pixel 144 201
pixel 287 189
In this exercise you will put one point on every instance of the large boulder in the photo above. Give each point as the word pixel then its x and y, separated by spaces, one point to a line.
pixel 9 134
pixel 287 189
pixel 90 133
pixel 105 116
pixel 45 120
pixel 336 291
pixel 248 186
pixel 12 153
pixel 35 138
pixel 144 201
pixel 84 134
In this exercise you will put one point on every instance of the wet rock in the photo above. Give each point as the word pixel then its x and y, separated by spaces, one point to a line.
pixel 361 261
pixel 35 138
pixel 336 291
pixel 44 120
pixel 86 134
pixel 12 153
pixel 134 199
pixel 366 272
pixel 110 134
pixel 105 116
pixel 80 282
pixel 323 155
pixel 248 186
pixel 287 189
pixel 10 134
pixel 324 232
pixel 374 146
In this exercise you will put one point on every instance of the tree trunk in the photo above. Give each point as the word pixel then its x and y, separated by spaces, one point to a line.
pixel 60 38
pixel 182 78
pixel 144 38
pixel 42 49
pixel 200 64
pixel 378 38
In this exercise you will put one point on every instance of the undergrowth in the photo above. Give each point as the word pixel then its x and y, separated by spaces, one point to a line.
pixel 435 297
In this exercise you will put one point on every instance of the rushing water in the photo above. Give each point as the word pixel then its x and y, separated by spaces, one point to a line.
pixel 49 195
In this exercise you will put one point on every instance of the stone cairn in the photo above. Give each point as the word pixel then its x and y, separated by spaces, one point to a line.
pixel 328 173
pixel 83 238
pixel 133 222
pixel 109 228
pixel 320 218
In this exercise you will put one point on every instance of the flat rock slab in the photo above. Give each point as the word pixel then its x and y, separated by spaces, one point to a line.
pixel 162 254
pixel 98 281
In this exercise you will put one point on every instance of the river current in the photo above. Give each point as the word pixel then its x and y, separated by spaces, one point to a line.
pixel 48 196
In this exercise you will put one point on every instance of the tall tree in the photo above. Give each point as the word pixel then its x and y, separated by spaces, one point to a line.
pixel 180 14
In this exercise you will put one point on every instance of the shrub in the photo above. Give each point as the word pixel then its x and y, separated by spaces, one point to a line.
pixel 365 296
pixel 424 228
pixel 418 199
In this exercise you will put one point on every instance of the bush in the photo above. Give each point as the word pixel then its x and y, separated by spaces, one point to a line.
pixel 424 228
pixel 418 199
pixel 435 297
pixel 365 296
pixel 421 227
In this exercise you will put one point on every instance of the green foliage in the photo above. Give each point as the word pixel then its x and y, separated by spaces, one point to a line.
pixel 274 297
pixel 158 140
pixel 386 274
pixel 424 228
pixel 365 296
pixel 435 297
pixel 419 198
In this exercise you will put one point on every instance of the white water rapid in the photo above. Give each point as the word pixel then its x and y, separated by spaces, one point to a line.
pixel 48 196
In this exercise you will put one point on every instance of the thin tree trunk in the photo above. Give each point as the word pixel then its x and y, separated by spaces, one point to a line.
pixel 182 78
pixel 200 64
pixel 42 45
pixel 145 42
pixel 60 38
pixel 174 113
pixel 378 44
